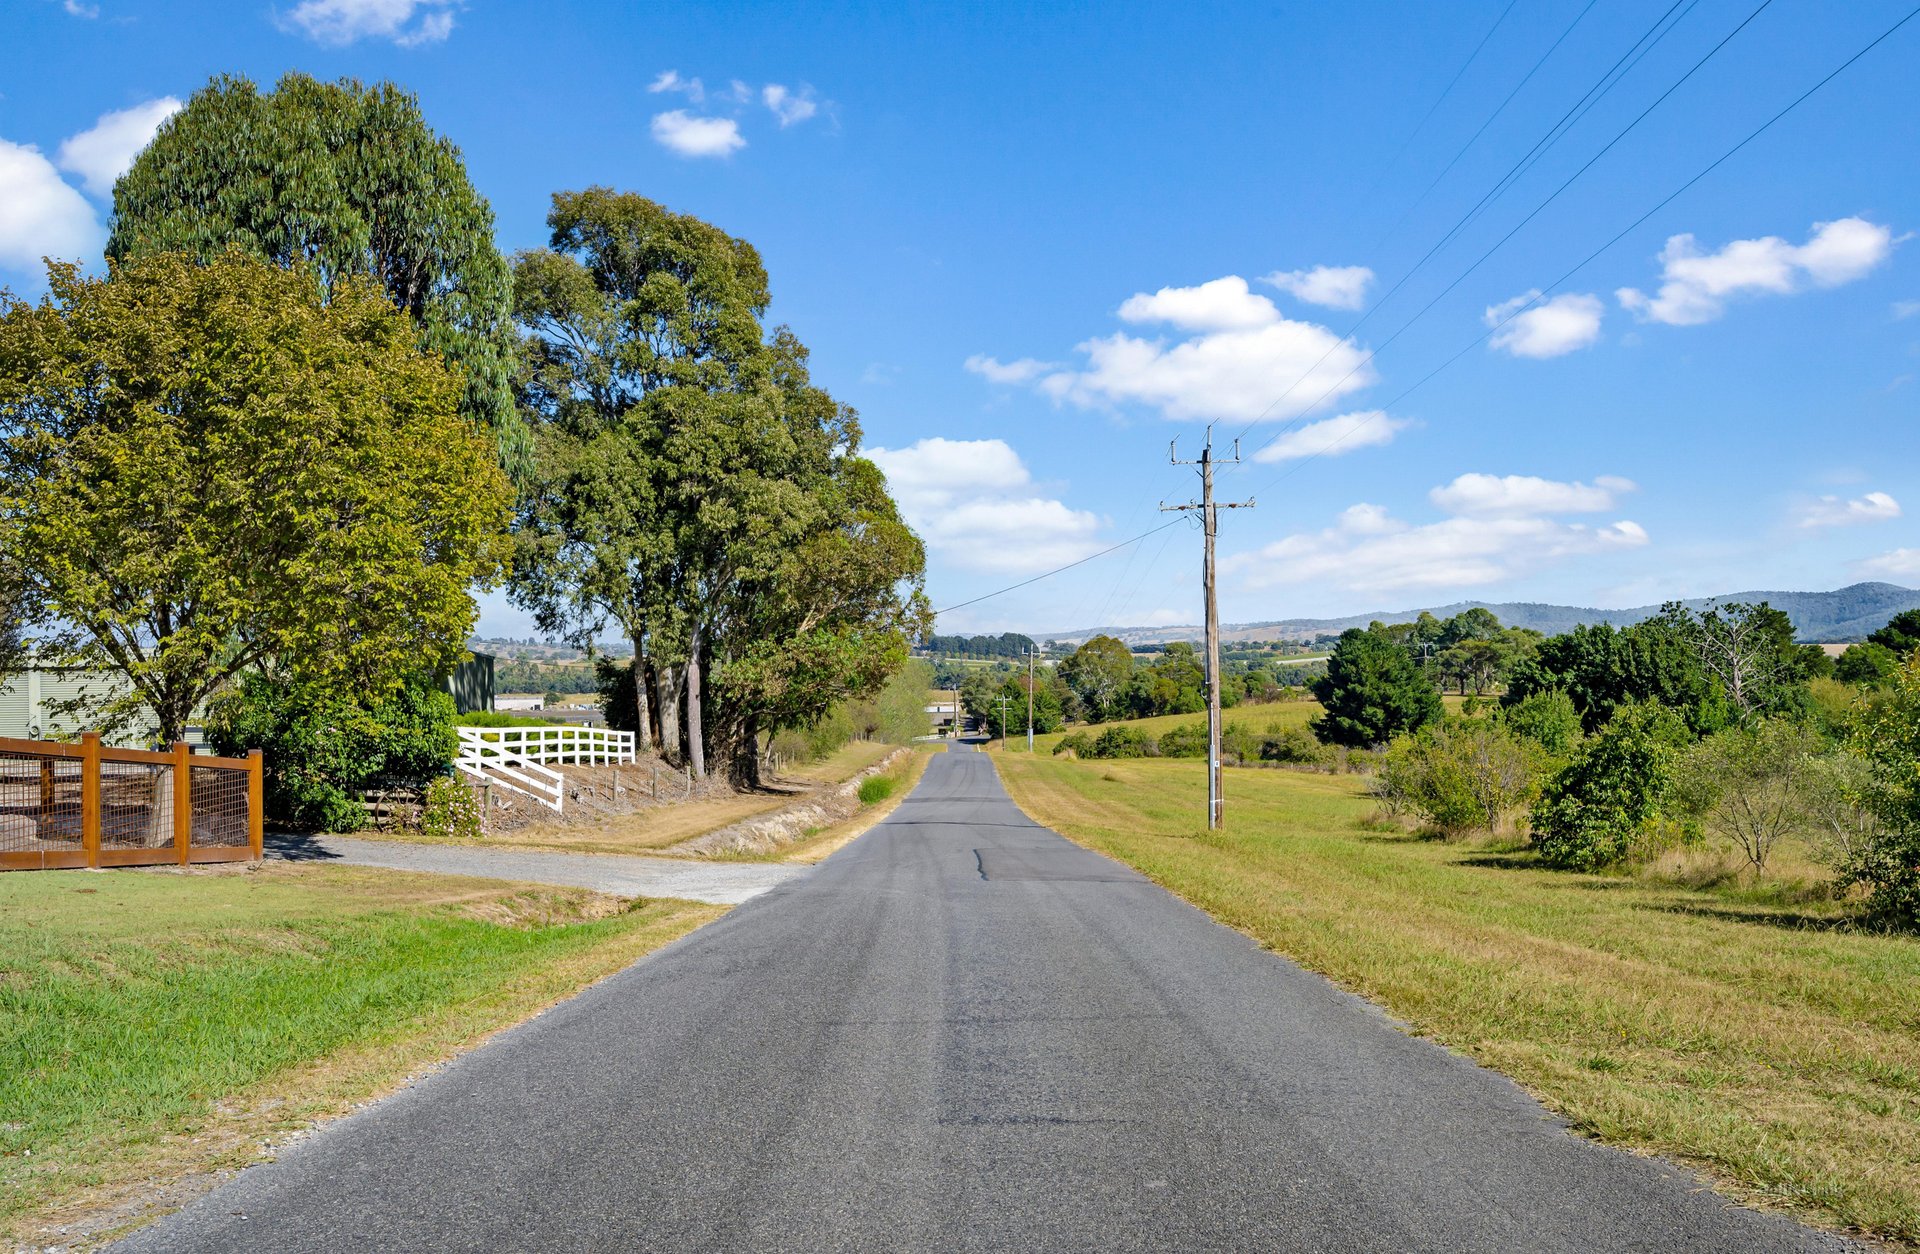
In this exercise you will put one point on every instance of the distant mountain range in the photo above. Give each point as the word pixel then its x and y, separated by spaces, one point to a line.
pixel 1844 614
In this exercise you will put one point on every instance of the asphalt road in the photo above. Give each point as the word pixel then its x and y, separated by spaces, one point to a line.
pixel 963 1033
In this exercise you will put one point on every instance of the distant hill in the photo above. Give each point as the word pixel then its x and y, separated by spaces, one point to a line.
pixel 1844 614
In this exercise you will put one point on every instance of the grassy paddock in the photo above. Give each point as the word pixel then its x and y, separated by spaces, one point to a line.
pixel 1263 717
pixel 159 1025
pixel 1767 1042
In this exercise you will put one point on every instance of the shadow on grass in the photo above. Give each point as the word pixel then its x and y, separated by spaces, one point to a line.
pixel 1788 920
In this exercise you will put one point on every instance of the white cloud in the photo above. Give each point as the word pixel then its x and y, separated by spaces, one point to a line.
pixel 78 9
pixel 1897 564
pixel 1696 285
pixel 692 136
pixel 1332 436
pixel 104 151
pixel 1026 370
pixel 1220 305
pixel 341 22
pixel 786 104
pixel 974 502
pixel 40 215
pixel 1514 496
pixel 1369 550
pixel 1904 309
pixel 1550 329
pixel 1338 287
pixel 1833 511
pixel 670 80
pixel 1240 360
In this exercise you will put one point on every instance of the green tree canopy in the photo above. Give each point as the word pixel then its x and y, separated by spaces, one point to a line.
pixel 1601 668
pixel 695 487
pixel 1372 692
pixel 1098 673
pixel 1901 634
pixel 351 181
pixel 208 467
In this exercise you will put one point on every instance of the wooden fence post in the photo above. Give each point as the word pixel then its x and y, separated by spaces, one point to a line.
pixel 256 803
pixel 182 799
pixel 90 799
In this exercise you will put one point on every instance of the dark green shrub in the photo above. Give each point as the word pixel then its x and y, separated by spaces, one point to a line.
pixel 1461 775
pixel 1372 692
pixel 450 810
pixel 1590 812
pixel 1294 746
pixel 1186 741
pixel 1077 744
pixel 1885 859
pixel 322 743
pixel 1548 718
pixel 875 788
pixel 1123 742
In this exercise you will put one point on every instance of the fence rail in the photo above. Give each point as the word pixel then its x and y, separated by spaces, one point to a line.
pixel 555 746
pixel 87 805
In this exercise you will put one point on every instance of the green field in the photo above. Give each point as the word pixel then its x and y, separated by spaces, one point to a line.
pixel 1268 717
pixel 161 1024
pixel 1770 1044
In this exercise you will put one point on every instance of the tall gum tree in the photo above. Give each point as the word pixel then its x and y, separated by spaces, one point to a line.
pixel 350 181
pixel 694 488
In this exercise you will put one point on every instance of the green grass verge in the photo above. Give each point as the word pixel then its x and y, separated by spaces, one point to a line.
pixel 1771 1044
pixel 141 1012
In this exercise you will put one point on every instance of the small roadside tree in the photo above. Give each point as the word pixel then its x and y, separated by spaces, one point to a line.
pixel 1886 859
pixel 207 467
pixel 1590 812
pixel 1750 785
pixel 1372 692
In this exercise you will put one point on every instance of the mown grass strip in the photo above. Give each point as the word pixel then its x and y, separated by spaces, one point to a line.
pixel 158 1025
pixel 1775 1046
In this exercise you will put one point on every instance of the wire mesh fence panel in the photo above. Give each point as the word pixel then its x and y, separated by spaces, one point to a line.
pixel 136 805
pixel 219 801
pixel 40 803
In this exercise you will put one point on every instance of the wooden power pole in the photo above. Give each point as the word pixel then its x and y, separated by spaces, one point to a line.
pixel 1030 657
pixel 1210 525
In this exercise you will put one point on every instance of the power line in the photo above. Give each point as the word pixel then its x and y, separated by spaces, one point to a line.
pixel 1722 159
pixel 1015 587
pixel 1448 90
pixel 1601 85
pixel 1521 224
pixel 1491 118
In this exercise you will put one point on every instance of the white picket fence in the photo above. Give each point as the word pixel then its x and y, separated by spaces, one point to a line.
pixel 521 759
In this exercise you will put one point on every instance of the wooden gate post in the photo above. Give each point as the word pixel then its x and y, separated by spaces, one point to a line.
pixel 256 803
pixel 90 800
pixel 182 798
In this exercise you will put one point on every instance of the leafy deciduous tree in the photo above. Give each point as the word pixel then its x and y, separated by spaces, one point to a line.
pixel 207 467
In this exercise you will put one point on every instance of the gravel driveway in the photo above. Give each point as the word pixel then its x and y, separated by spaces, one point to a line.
pixel 725 883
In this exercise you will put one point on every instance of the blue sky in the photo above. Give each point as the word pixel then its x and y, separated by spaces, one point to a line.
pixel 1032 244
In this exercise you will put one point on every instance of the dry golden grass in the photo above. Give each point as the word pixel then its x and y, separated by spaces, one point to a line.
pixel 1749 1030
pixel 830 840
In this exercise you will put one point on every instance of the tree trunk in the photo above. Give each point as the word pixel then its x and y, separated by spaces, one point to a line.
pixel 642 709
pixel 696 733
pixel 748 760
pixel 666 684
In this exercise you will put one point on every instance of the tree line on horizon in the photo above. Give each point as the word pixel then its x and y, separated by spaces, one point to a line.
pixel 261 465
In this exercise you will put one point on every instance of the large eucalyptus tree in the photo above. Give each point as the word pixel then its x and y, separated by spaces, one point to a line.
pixel 694 487
pixel 348 180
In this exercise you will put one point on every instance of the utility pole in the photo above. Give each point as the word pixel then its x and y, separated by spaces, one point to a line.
pixel 1030 656
pixel 1210 526
pixel 1003 722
